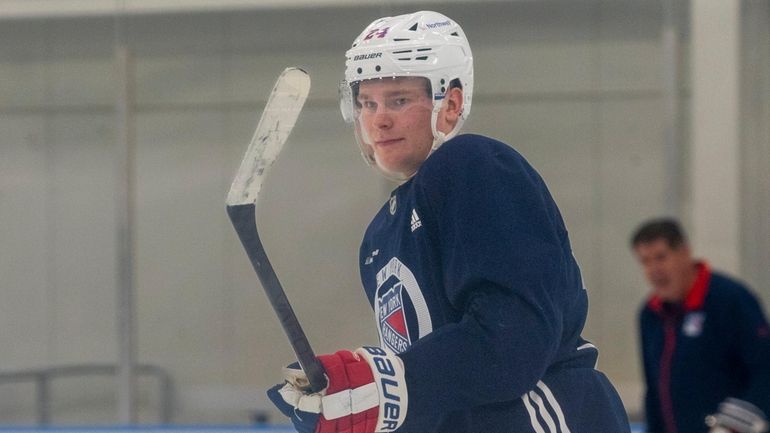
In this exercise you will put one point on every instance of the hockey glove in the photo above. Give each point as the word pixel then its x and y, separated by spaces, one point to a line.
pixel 366 393
pixel 737 416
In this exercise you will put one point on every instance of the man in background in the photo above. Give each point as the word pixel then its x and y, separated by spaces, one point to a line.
pixel 705 341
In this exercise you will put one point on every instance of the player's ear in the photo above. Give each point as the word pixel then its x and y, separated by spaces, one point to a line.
pixel 451 109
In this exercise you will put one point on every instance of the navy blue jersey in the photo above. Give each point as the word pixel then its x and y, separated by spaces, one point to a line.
pixel 714 345
pixel 473 282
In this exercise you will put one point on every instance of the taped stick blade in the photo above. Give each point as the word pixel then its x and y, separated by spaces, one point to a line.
pixel 278 118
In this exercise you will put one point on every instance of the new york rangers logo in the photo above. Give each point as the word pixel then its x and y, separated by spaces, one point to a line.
pixel 401 310
pixel 395 332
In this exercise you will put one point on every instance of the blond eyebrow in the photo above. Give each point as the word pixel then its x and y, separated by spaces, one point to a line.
pixel 392 93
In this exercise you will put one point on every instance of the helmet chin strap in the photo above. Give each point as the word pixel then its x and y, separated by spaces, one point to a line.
pixel 439 137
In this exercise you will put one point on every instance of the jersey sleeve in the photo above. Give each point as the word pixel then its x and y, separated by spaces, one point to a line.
pixel 504 263
pixel 753 347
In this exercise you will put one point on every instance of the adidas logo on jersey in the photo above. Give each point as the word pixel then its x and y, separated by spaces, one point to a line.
pixel 416 224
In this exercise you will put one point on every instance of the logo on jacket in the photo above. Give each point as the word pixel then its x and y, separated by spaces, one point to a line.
pixel 693 324
pixel 392 203
pixel 401 310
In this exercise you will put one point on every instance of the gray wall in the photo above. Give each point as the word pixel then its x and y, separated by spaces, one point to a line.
pixel 574 85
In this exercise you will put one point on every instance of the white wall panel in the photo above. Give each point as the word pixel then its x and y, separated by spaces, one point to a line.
pixel 25 216
pixel 83 242
pixel 631 186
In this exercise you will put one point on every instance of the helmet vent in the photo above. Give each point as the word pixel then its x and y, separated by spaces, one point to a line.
pixel 401 39
pixel 411 59
pixel 424 49
pixel 414 27
pixel 454 34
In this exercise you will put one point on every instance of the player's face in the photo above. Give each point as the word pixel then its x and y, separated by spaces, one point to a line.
pixel 395 115
pixel 668 269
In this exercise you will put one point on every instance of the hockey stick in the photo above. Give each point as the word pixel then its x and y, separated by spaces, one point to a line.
pixel 275 125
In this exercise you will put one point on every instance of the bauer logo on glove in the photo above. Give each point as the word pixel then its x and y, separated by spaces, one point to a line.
pixel 366 394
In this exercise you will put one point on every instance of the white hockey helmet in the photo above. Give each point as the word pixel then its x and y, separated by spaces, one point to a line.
pixel 421 44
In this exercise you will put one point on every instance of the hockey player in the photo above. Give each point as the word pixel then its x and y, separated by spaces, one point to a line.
pixel 478 298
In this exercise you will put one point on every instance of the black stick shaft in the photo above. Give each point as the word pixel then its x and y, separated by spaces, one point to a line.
pixel 244 220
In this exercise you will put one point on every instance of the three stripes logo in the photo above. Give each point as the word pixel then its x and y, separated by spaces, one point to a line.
pixel 416 224
pixel 544 411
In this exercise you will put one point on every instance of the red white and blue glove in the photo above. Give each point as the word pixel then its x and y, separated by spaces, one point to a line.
pixel 737 416
pixel 366 394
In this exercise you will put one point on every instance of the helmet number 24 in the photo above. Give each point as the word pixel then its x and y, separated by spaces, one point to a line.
pixel 380 33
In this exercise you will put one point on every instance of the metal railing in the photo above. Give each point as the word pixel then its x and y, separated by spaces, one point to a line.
pixel 42 379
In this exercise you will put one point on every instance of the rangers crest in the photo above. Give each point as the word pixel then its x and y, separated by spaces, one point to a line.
pixel 393 326
pixel 402 313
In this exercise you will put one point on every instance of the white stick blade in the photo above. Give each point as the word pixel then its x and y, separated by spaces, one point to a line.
pixel 275 125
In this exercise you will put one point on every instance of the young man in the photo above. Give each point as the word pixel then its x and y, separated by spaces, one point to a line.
pixel 705 341
pixel 478 298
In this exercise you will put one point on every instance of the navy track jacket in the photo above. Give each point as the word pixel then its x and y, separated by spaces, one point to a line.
pixel 714 345
pixel 473 283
